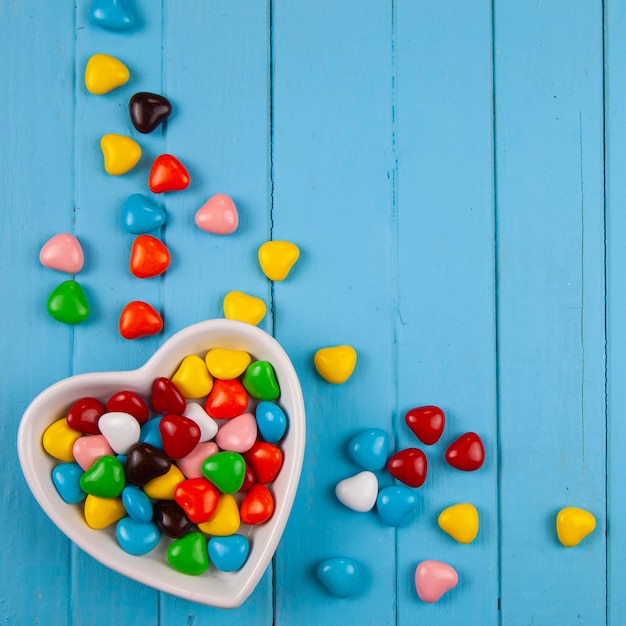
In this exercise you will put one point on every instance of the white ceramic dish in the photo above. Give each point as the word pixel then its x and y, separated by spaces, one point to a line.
pixel 226 590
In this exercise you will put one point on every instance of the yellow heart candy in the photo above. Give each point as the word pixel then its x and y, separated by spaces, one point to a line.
pixel 244 308
pixel 104 73
pixel 58 440
pixel 120 154
pixel 227 364
pixel 226 519
pixel 277 258
pixel 192 377
pixel 460 521
pixel 102 512
pixel 573 525
pixel 163 487
pixel 335 364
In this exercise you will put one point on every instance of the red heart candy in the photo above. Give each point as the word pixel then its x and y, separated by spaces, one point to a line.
pixel 148 257
pixel 168 174
pixel 426 423
pixel 198 497
pixel 129 402
pixel 265 461
pixel 409 466
pixel 467 453
pixel 257 506
pixel 84 414
pixel 139 319
pixel 228 398
pixel 179 434
pixel 166 397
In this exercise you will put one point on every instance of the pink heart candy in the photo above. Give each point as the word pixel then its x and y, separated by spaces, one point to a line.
pixel 218 215
pixel 237 434
pixel 191 465
pixel 433 579
pixel 87 450
pixel 62 252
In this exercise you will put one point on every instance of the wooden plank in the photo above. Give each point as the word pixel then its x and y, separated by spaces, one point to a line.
pixel 332 166
pixel 549 137
pixel 216 74
pixel 444 317
pixel 36 196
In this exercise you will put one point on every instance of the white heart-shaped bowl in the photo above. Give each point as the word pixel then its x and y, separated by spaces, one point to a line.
pixel 214 588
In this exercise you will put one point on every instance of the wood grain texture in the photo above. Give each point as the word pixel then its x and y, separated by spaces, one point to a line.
pixel 453 175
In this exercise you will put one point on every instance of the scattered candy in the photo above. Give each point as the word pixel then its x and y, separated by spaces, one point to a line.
pixel 227 364
pixel 121 430
pixel 277 258
pixel 58 440
pixel 433 579
pixel 166 397
pixel 64 253
pixel 139 319
pixel 409 466
pixel 369 449
pixel 148 110
pixel 67 303
pixel 342 576
pixel 466 453
pixel 265 461
pixel 358 492
pixel 226 520
pixel 167 174
pixel 228 554
pixel 460 521
pixel 226 470
pixel 271 421
pixel 137 538
pixel 140 215
pixel 238 434
pixel 189 554
pixel 120 154
pixel 66 479
pixel 395 503
pixel 149 257
pixel 243 307
pixel 227 399
pixel 218 215
pixel 84 414
pixel 426 423
pixel 257 506
pixel 192 377
pixel 112 14
pixel 335 364
pixel 102 512
pixel 573 525
pixel 129 402
pixel 104 73
pixel 87 450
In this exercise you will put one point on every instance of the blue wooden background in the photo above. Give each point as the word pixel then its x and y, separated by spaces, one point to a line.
pixel 455 176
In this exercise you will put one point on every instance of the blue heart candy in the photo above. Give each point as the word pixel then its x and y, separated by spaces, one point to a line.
pixel 137 504
pixel 150 432
pixel 271 421
pixel 112 14
pixel 66 478
pixel 394 504
pixel 342 576
pixel 135 537
pixel 140 215
pixel 228 554
pixel 369 449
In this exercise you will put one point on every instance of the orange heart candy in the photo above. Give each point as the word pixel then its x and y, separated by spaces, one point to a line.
pixel 148 257
pixel 168 174
pixel 139 319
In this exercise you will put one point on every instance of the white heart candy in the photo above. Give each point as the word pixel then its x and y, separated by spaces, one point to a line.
pixel 120 429
pixel 208 426
pixel 359 492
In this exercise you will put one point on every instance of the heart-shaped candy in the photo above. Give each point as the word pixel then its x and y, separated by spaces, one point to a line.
pixel 460 521
pixel 226 470
pixel 218 215
pixel 426 423
pixel 137 504
pixel 191 465
pixel 67 303
pixel 120 153
pixel 148 110
pixel 226 520
pixel 137 538
pixel 179 434
pixel 198 498
pixel 228 554
pixel 433 579
pixel 145 463
pixel 227 399
pixel 171 519
pixel 573 524
pixel 257 505
pixel 84 414
pixel 149 257
pixel 265 461
pixel 276 258
pixel 164 487
pixel 208 426
pixel 243 307
pixel 166 397
pixel 341 576
pixel 358 492
pixel 335 364
pixel 260 381
pixel 369 448
pixel 62 252
pixel 104 73
pixel 66 478
pixel 271 421
pixel 104 479
pixel 58 440
pixel 168 174
pixel 112 14
pixel 227 364
pixel 466 453
pixel 102 512
pixel 140 215
pixel 238 434
pixel 87 450
pixel 189 554
pixel 192 377
pixel 395 503
pixel 129 402
pixel 121 430
pixel 409 466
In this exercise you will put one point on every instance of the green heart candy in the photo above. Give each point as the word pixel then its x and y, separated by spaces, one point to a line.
pixel 189 554
pixel 260 381
pixel 226 470
pixel 67 303
pixel 104 479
